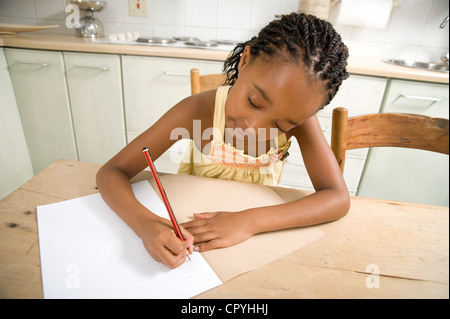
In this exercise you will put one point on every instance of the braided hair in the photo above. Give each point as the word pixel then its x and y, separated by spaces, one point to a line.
pixel 298 37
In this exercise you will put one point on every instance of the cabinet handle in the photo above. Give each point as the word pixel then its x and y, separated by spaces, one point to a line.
pixel 99 68
pixel 420 98
pixel 293 162
pixel 32 63
pixel 176 73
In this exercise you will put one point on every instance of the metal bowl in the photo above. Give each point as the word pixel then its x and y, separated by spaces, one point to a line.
pixel 89 5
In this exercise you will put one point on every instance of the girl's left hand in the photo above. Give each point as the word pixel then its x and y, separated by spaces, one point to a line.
pixel 219 229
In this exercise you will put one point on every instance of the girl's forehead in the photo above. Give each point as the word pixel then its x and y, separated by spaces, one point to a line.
pixel 287 85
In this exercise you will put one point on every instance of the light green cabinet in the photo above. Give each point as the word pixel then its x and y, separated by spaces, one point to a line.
pixel 407 174
pixel 87 106
pixel 151 87
pixel 40 88
pixel 15 163
pixel 96 100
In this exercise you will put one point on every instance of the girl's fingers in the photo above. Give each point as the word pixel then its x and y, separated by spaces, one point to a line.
pixel 216 243
pixel 175 251
pixel 200 219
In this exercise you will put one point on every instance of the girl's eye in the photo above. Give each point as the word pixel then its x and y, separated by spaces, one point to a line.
pixel 253 104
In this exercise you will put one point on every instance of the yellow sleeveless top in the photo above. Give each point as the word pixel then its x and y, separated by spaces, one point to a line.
pixel 226 162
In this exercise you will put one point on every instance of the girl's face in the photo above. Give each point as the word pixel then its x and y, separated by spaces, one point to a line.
pixel 276 96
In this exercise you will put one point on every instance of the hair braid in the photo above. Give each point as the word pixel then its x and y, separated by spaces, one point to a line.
pixel 299 37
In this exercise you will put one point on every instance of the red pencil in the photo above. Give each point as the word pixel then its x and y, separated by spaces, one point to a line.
pixel 175 225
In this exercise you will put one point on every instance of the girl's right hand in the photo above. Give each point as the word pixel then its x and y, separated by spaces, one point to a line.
pixel 163 245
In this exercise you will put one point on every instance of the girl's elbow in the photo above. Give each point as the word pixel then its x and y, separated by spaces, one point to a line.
pixel 343 203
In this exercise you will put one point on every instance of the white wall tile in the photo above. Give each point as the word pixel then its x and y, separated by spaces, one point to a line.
pixel 201 32
pixel 263 12
pixel 49 9
pixel 399 51
pixel 407 22
pixel 239 35
pixel 21 8
pixel 4 19
pixel 3 8
pixel 143 29
pixel 169 30
pixel 169 12
pixel 113 12
pixel 234 14
pixel 434 36
pixel 368 34
pixel 364 48
pixel 201 13
pixel 412 31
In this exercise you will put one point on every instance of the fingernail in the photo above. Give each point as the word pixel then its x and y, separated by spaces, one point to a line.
pixel 196 248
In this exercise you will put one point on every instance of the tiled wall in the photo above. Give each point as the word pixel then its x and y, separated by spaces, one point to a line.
pixel 412 31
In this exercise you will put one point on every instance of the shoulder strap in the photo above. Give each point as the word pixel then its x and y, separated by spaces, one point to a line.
pixel 219 113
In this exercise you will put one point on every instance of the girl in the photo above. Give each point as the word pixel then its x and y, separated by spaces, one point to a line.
pixel 276 82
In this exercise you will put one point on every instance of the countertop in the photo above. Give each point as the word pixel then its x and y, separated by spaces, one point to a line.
pixel 371 66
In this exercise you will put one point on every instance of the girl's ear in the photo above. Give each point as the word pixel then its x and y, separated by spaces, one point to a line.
pixel 245 57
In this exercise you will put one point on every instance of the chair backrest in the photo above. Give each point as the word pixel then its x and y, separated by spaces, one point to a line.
pixel 387 129
pixel 200 83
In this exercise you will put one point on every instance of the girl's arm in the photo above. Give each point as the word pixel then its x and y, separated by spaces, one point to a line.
pixel 113 181
pixel 330 201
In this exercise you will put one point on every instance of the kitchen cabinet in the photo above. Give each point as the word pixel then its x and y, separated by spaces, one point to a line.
pixel 408 174
pixel 87 106
pixel 360 95
pixel 15 163
pixel 96 100
pixel 39 82
pixel 151 87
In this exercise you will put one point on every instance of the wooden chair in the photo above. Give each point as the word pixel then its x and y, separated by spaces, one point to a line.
pixel 200 83
pixel 387 129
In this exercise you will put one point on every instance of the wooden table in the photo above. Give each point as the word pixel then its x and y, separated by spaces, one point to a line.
pixel 381 249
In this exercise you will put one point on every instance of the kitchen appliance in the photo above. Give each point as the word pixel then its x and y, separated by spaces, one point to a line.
pixel 174 42
pixel 89 27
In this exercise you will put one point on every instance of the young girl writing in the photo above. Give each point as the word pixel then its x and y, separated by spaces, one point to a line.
pixel 276 82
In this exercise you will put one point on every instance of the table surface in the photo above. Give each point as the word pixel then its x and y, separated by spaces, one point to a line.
pixel 381 249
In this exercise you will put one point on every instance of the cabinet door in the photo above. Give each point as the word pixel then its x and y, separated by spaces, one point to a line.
pixel 15 163
pixel 151 87
pixel 360 95
pixel 95 90
pixel 41 92
pixel 408 174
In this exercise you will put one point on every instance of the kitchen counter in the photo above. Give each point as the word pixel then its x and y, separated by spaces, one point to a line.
pixel 371 66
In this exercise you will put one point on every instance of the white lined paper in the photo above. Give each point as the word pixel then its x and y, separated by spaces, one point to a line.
pixel 87 251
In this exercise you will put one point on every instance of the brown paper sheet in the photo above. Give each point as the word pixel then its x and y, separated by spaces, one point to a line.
pixel 191 194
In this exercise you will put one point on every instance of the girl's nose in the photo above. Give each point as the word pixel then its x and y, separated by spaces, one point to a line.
pixel 263 128
pixel 258 123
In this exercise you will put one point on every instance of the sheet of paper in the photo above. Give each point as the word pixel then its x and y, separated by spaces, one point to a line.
pixel 87 251
pixel 191 194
